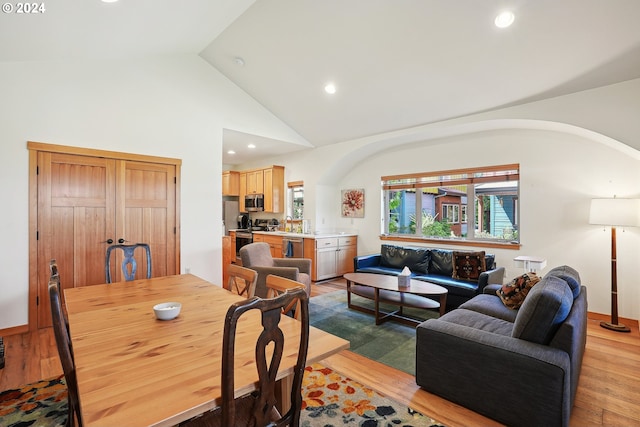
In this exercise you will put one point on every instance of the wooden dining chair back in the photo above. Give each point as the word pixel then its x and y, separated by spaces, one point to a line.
pixel 129 264
pixel 259 407
pixel 66 355
pixel 277 285
pixel 242 280
pixel 54 277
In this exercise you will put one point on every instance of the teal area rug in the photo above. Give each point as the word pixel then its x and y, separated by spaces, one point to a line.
pixel 391 343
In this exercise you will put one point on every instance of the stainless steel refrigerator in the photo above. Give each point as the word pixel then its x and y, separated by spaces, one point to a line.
pixel 230 213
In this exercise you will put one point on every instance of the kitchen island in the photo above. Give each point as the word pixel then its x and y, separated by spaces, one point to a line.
pixel 331 254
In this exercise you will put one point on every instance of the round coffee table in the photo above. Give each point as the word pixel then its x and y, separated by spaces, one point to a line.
pixel 382 288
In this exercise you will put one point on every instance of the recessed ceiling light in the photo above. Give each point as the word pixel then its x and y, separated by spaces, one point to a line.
pixel 239 61
pixel 330 88
pixel 109 1
pixel 504 19
pixel 231 152
pixel 251 146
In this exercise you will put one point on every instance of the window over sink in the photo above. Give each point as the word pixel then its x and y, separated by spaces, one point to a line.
pixel 295 197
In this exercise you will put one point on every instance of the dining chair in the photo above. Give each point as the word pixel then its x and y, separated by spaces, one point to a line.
pixel 66 355
pixel 129 264
pixel 277 285
pixel 259 408
pixel 257 256
pixel 54 277
pixel 242 280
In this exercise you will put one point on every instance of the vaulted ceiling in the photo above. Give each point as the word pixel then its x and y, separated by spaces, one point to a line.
pixel 395 64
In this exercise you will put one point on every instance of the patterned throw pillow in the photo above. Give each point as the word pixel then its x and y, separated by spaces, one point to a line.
pixel 513 293
pixel 468 265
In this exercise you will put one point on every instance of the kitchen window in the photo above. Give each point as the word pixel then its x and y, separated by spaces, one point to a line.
pixel 468 205
pixel 295 207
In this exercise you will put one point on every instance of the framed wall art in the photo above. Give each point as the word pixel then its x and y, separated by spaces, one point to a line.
pixel 353 203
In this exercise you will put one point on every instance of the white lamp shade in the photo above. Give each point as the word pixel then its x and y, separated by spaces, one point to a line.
pixel 615 212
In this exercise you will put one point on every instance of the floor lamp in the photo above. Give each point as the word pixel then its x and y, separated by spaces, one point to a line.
pixel 615 213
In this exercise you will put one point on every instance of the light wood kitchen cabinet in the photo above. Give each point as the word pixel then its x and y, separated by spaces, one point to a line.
pixel 226 258
pixel 267 181
pixel 230 183
pixel 275 243
pixel 333 257
pixel 274 190
pixel 243 190
pixel 232 236
pixel 255 181
pixel 347 250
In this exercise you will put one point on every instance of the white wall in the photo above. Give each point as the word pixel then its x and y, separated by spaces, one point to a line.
pixel 169 106
pixel 570 149
pixel 560 173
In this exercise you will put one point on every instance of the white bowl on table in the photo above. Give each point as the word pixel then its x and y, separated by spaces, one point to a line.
pixel 167 310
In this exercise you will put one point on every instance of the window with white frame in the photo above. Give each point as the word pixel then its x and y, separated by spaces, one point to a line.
pixel 463 204
pixel 451 213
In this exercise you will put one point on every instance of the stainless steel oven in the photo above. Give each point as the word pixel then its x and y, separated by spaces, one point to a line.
pixel 243 238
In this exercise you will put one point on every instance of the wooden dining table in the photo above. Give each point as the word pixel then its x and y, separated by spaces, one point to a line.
pixel 135 370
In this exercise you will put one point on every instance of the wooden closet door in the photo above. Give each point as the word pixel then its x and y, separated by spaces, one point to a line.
pixel 83 198
pixel 146 213
pixel 76 195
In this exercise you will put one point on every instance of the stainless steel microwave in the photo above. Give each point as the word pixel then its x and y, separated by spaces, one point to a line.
pixel 254 202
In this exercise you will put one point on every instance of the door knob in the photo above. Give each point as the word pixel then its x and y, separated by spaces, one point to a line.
pixel 109 241
pixel 121 240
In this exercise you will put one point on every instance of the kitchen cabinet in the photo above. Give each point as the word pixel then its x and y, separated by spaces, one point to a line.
pixel 232 236
pixel 230 183
pixel 255 182
pixel 227 255
pixel 267 181
pixel 275 243
pixel 274 190
pixel 242 190
pixel 333 257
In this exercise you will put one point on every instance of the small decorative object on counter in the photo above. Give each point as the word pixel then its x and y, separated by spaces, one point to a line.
pixel 404 278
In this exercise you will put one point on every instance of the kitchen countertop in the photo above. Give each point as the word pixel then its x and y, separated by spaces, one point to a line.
pixel 306 236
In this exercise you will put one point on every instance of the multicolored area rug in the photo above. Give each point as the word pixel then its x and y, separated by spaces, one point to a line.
pixel 331 400
pixel 39 404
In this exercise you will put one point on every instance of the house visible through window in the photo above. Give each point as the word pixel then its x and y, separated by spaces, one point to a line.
pixel 466 204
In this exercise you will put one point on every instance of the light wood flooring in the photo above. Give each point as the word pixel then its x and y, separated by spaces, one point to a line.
pixel 608 393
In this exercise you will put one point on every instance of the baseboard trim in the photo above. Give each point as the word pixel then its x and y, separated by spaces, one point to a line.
pixel 21 329
pixel 600 316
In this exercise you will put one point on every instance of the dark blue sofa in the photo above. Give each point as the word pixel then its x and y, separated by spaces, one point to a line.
pixel 431 265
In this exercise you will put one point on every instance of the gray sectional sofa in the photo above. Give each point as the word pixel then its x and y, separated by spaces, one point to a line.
pixel 520 367
pixel 431 265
